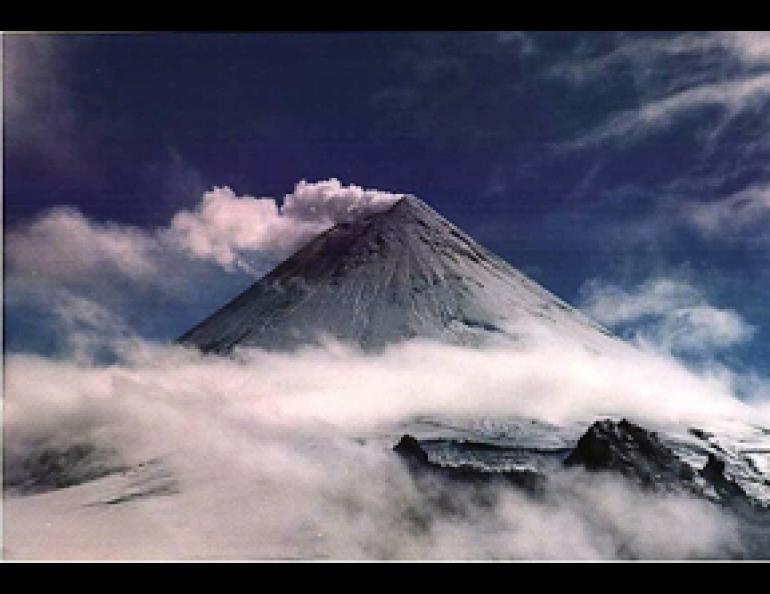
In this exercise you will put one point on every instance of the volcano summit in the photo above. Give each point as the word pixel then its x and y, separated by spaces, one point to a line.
pixel 402 273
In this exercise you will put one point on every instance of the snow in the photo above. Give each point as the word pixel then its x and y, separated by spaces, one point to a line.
pixel 165 510
pixel 105 519
pixel 395 275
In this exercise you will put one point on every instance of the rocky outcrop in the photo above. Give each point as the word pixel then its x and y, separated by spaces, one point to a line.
pixel 642 456
pixel 619 447
pixel 632 451
pixel 421 465
pixel 47 468
pixel 714 474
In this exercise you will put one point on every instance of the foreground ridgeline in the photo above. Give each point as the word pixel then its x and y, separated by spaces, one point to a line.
pixel 446 468
pixel 453 474
pixel 622 448
pixel 642 456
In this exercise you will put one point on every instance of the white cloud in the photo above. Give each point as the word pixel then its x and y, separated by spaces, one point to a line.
pixel 253 436
pixel 64 271
pixel 62 245
pixel 737 212
pixel 644 58
pixel 613 305
pixel 225 227
pixel 702 328
pixel 637 56
pixel 670 314
pixel 753 47
pixel 39 107
pixel 675 75
pixel 713 87
pixel 522 40
pixel 731 97
pixel 331 202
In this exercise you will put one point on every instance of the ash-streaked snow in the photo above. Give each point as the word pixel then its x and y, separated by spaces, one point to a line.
pixel 388 277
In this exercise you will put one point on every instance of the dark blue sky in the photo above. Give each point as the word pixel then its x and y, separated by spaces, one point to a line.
pixel 576 156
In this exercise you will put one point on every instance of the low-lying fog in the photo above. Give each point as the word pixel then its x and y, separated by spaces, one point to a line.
pixel 288 455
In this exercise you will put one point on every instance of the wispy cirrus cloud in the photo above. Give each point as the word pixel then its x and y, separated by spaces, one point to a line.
pixel 40 110
pixel 686 126
pixel 674 76
pixel 751 46
pixel 670 314
pixel 747 210
pixel 642 56
pixel 731 98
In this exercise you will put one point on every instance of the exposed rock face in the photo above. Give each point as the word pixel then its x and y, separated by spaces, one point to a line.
pixel 632 451
pixel 622 447
pixel 54 468
pixel 608 446
pixel 714 474
pixel 419 462
pixel 411 451
pixel 641 455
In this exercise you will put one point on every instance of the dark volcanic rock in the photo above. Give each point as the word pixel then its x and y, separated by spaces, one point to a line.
pixel 419 463
pixel 458 477
pixel 633 452
pixel 51 468
pixel 622 447
pixel 641 455
pixel 714 473
pixel 411 451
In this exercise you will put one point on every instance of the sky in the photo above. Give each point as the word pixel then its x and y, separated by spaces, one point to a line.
pixel 145 174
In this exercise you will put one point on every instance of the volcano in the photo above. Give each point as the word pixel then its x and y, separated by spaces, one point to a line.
pixel 399 274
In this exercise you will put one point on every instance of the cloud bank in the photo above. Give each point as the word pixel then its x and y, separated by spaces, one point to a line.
pixel 288 455
pixel 225 228
pixel 744 211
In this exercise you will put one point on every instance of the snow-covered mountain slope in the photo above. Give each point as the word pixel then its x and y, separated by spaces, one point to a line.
pixel 370 503
pixel 398 274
